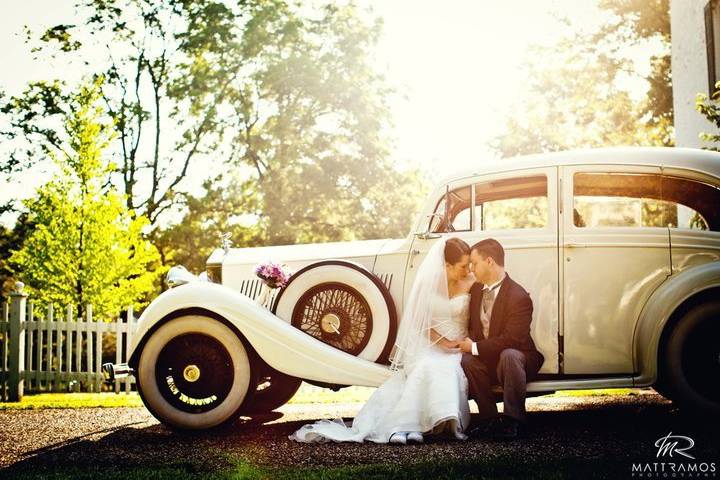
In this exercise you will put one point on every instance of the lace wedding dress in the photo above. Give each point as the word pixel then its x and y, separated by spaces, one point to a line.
pixel 428 396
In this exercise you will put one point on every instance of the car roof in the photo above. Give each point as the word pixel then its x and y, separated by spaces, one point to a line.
pixel 669 157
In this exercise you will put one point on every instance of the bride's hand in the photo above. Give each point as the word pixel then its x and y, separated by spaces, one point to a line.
pixel 448 344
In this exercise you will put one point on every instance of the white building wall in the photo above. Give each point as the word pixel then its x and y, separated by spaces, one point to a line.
pixel 689 69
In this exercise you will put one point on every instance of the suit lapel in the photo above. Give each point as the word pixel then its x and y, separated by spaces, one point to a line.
pixel 476 295
pixel 499 307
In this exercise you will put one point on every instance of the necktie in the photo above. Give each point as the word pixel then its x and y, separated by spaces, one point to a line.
pixel 489 298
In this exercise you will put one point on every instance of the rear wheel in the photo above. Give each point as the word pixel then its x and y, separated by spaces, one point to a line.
pixel 274 389
pixel 692 359
pixel 194 372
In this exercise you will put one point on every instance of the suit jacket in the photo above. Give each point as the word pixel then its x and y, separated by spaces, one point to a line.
pixel 509 325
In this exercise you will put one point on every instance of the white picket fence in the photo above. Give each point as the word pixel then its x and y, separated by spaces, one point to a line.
pixel 47 352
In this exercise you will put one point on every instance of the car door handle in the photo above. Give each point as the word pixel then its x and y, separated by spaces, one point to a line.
pixel 575 245
pixel 413 254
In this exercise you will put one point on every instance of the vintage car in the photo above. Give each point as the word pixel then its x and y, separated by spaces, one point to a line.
pixel 618 248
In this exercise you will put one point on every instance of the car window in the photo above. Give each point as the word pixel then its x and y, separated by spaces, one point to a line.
pixel 617 200
pixel 513 203
pixel 643 200
pixel 691 204
pixel 459 212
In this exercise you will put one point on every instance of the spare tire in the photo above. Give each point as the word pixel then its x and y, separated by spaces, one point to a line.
pixel 343 305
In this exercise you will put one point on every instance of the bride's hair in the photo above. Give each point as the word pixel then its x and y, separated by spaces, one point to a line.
pixel 455 249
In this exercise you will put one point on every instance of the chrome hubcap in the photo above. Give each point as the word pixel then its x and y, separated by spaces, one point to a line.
pixel 330 323
pixel 191 373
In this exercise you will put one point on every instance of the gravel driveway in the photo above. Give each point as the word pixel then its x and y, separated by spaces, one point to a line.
pixel 621 428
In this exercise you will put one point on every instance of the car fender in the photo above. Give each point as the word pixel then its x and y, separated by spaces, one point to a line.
pixel 659 309
pixel 278 343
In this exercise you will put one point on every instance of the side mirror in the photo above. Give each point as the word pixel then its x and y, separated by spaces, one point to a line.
pixel 428 234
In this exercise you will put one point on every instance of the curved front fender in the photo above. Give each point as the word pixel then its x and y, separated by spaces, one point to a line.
pixel 658 310
pixel 278 343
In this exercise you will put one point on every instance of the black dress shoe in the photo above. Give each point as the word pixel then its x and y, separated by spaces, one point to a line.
pixel 507 428
pixel 483 427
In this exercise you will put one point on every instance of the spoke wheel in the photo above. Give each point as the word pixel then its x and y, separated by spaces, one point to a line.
pixel 344 305
pixel 194 372
pixel 336 314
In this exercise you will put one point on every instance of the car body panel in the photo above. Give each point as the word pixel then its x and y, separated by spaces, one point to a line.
pixel 609 273
pixel 289 350
pixel 279 344
pixel 601 295
pixel 238 265
pixel 680 287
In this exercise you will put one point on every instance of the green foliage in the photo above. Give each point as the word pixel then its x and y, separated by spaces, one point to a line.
pixel 283 93
pixel 10 240
pixel 85 246
pixel 191 241
pixel 710 109
pixel 577 92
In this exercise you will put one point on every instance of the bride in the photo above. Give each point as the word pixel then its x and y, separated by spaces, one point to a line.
pixel 427 393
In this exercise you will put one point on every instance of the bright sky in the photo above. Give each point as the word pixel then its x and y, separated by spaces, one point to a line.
pixel 458 64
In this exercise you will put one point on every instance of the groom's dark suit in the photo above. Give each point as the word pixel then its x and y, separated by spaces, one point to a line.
pixel 508 354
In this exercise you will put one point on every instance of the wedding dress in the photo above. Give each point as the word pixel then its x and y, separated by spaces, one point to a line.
pixel 428 393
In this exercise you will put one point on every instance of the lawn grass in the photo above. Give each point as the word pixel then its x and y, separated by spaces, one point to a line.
pixel 503 467
pixel 74 400
pixel 306 394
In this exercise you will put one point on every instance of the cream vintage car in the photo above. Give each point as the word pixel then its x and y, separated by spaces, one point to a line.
pixel 619 249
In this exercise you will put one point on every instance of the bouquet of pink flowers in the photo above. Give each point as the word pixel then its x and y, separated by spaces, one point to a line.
pixel 273 275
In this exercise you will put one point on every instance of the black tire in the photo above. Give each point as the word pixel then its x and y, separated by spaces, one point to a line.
pixel 195 373
pixel 692 360
pixel 663 390
pixel 273 391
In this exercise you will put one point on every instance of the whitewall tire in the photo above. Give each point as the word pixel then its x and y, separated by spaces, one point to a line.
pixel 342 304
pixel 194 372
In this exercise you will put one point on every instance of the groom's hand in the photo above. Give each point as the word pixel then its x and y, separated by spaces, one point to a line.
pixel 466 345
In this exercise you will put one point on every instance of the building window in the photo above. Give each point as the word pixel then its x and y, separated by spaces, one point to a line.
pixel 712 42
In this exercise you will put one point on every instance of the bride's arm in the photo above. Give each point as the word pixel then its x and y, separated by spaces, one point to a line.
pixel 442 341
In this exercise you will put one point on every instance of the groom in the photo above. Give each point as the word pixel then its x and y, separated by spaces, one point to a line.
pixel 499 349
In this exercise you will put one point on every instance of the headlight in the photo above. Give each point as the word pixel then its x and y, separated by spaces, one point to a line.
pixel 179 275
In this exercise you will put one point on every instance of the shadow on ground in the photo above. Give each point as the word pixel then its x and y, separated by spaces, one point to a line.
pixel 601 437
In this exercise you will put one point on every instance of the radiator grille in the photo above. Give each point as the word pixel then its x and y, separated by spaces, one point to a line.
pixel 386 279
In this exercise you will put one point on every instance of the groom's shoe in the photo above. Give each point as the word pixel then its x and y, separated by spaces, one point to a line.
pixel 508 428
pixel 483 428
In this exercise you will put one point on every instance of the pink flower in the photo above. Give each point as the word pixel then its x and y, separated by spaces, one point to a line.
pixel 272 274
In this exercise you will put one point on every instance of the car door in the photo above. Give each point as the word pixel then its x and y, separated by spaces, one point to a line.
pixel 615 253
pixel 519 209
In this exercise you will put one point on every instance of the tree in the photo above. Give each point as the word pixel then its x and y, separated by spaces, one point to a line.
pixel 577 93
pixel 218 211
pixel 311 120
pixel 85 246
pixel 164 113
pixel 284 88
pixel 636 22
pixel 11 240
pixel 710 109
